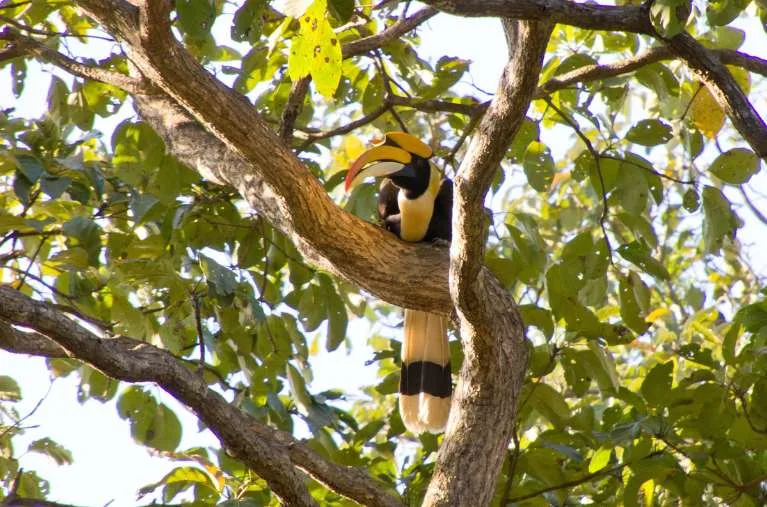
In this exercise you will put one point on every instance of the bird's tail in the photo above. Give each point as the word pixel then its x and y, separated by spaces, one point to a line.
pixel 425 385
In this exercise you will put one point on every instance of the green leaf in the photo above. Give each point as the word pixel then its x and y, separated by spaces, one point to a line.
pixel 138 151
pixel 336 311
pixel 539 166
pixel 600 459
pixel 632 313
pixel 691 200
pixel 753 317
pixel 195 17
pixel 152 424
pixel 298 388
pixel 249 21
pixel 723 12
pixel 720 220
pixel 316 50
pixel 669 17
pixel 735 166
pixel 632 189
pixel 9 389
pixel 600 365
pixel 53 450
pixel 449 71
pixel 528 132
pixel 342 10
pixel 88 235
pixel 54 186
pixel 550 404
pixel 639 255
pixel 19 75
pixel 649 133
pixel 221 281
pixel 533 315
pixel 657 384
pixel 30 167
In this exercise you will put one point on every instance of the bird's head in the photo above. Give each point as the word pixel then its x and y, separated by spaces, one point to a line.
pixel 399 156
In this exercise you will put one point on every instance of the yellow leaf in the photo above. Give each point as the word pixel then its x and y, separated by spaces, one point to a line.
pixel 351 148
pixel 648 487
pixel 706 114
pixel 656 314
pixel 316 50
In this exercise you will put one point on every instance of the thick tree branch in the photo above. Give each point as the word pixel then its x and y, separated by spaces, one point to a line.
pixel 32 342
pixel 492 334
pixel 725 90
pixel 272 454
pixel 628 18
pixel 250 157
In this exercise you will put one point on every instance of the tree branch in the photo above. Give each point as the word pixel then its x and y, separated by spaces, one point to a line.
pixel 492 333
pixel 28 46
pixel 628 18
pixel 249 156
pixel 725 90
pixel 273 455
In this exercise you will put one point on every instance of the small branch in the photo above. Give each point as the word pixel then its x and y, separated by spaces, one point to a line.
pixel 198 324
pixel 647 169
pixel 345 129
pixel 17 423
pixel 394 32
pixel 582 480
pixel 604 71
pixel 597 164
pixel 293 107
pixel 48 33
pixel 29 46
pixel 757 213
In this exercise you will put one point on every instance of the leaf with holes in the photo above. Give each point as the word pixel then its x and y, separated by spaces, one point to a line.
pixel 316 50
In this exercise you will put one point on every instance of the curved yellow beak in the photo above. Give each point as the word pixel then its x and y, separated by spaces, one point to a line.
pixel 390 154
pixel 378 161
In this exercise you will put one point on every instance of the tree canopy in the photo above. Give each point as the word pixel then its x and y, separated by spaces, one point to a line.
pixel 608 310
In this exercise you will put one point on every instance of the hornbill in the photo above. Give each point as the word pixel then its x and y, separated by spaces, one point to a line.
pixel 415 202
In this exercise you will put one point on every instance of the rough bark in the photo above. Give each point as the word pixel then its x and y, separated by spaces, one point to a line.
pixel 274 455
pixel 492 332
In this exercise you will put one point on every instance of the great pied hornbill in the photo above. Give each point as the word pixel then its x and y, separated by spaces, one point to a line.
pixel 415 202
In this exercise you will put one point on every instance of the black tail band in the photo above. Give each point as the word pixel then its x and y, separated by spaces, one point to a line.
pixel 426 377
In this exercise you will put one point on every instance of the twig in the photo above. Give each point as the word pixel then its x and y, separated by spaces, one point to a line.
pixel 16 424
pixel 586 478
pixel 198 324
pixel 647 169
pixel 758 214
pixel 48 33
pixel 596 156
pixel 345 129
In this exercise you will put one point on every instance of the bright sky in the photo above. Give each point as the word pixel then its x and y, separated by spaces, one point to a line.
pixel 108 465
